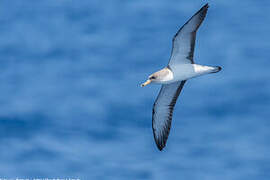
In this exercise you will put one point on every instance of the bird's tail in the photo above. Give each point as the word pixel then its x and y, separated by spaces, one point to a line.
pixel 216 69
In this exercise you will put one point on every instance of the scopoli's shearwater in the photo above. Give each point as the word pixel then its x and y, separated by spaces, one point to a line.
pixel 181 67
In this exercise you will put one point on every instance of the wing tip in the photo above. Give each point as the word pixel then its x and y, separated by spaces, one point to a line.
pixel 202 13
pixel 204 9
pixel 160 141
pixel 160 145
pixel 160 148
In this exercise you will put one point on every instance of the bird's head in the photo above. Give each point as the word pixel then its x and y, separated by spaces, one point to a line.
pixel 151 78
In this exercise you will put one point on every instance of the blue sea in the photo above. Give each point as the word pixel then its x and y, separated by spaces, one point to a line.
pixel 71 105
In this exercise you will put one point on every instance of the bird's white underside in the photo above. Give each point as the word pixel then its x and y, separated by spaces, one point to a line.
pixel 181 72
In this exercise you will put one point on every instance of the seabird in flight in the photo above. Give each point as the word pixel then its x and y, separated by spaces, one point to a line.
pixel 181 67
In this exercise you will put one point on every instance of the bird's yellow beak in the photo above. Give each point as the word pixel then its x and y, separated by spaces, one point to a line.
pixel 146 83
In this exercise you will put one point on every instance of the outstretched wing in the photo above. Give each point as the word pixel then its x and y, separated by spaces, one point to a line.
pixel 163 111
pixel 184 39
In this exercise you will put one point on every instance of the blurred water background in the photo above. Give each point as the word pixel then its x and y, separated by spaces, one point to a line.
pixel 71 105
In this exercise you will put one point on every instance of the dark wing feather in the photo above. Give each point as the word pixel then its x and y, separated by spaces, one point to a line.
pixel 184 39
pixel 163 111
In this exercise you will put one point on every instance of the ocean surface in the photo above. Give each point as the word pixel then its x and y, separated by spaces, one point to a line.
pixel 71 105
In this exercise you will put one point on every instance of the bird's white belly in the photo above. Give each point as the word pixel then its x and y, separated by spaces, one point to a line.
pixel 186 71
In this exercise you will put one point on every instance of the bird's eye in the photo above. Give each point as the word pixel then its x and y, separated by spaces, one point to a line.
pixel 152 77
